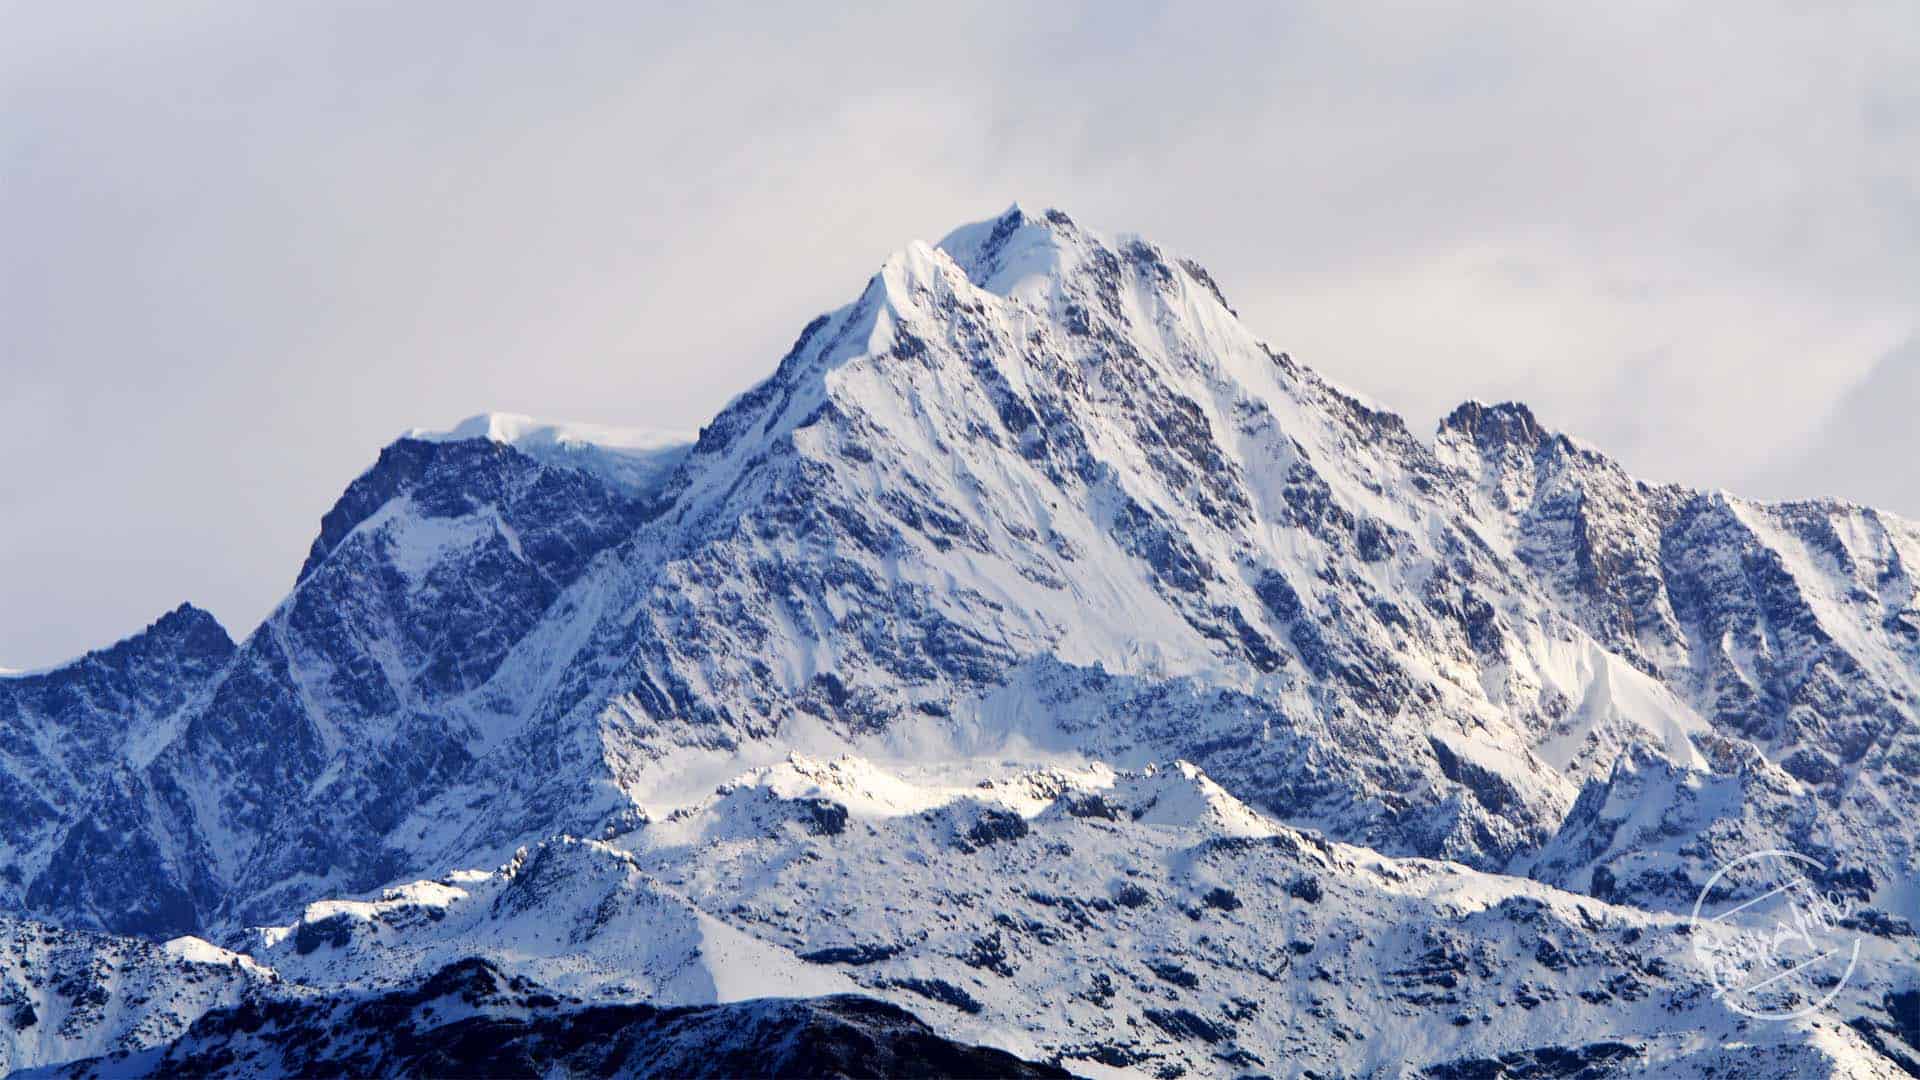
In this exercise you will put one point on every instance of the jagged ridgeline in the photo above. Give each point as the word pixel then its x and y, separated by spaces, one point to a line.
pixel 1036 496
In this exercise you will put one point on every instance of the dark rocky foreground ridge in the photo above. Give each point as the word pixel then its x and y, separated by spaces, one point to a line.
pixel 1035 496
pixel 471 1020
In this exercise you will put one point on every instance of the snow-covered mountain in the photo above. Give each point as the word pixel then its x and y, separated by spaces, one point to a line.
pixel 1037 497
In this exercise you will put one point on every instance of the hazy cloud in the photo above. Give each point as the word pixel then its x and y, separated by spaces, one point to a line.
pixel 244 245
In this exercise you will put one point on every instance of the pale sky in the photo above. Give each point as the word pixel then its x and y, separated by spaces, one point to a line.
pixel 244 245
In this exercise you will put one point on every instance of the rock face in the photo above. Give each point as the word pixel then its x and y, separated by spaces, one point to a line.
pixel 1035 495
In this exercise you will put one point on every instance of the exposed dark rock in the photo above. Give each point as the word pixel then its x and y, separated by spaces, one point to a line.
pixel 1186 1024
pixel 994 826
pixel 1221 898
pixel 944 992
pixel 1590 1062
pixel 853 955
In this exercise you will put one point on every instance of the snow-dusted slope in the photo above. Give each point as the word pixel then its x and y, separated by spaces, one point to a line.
pixel 574 914
pixel 67 994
